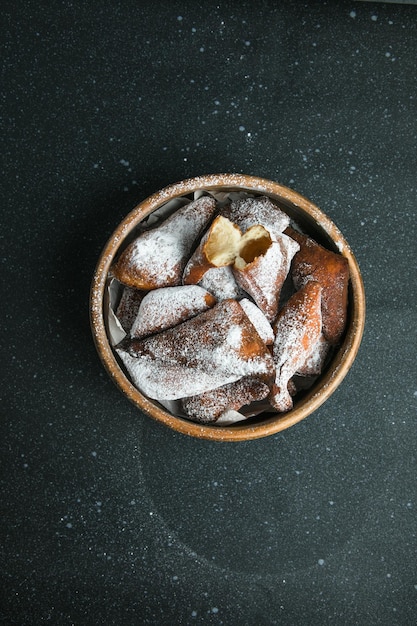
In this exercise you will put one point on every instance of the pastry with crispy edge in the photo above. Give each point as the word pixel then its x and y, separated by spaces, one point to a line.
pixel 209 406
pixel 260 261
pixel 246 212
pixel 222 245
pixel 258 319
pixel 297 329
pixel 214 348
pixel 314 363
pixel 157 257
pixel 128 307
pixel 221 282
pixel 263 276
pixel 331 270
pixel 169 306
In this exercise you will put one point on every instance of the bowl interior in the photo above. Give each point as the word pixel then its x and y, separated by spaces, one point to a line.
pixel 311 220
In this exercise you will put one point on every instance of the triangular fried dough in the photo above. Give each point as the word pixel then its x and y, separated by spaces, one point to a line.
pixel 263 277
pixel 297 329
pixel 157 257
pixel 207 407
pixel 212 349
pixel 247 212
pixel 331 270
pixel 169 306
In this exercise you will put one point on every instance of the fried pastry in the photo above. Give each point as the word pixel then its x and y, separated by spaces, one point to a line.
pixel 128 307
pixel 247 212
pixel 297 329
pixel 157 257
pixel 263 276
pixel 221 282
pixel 222 245
pixel 218 248
pixel 259 320
pixel 217 347
pixel 331 270
pixel 168 306
pixel 313 365
pixel 209 406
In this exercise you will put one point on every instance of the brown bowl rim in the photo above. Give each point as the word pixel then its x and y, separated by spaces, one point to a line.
pixel 275 422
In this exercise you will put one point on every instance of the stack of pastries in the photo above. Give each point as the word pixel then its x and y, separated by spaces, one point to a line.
pixel 228 309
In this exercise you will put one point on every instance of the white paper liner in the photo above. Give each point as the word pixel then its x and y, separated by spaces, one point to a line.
pixel 115 330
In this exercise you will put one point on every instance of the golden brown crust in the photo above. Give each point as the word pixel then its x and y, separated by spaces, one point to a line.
pixel 247 212
pixel 157 257
pixel 207 407
pixel 263 277
pixel 167 307
pixel 297 329
pixel 217 347
pixel 315 263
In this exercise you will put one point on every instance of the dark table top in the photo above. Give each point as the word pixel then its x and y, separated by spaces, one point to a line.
pixel 108 517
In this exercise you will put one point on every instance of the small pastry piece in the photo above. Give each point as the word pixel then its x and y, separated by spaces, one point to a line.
pixel 128 307
pixel 218 248
pixel 315 361
pixel 331 270
pixel 246 212
pixel 209 406
pixel 259 320
pixel 221 282
pixel 297 329
pixel 157 257
pixel 168 306
pixel 222 245
pixel 217 347
pixel 263 276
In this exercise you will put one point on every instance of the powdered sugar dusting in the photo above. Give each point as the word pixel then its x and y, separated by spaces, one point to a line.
pixel 258 319
pixel 221 282
pixel 248 212
pixel 157 257
pixel 217 347
pixel 168 306
pixel 209 406
pixel 264 277
pixel 212 353
pixel 297 330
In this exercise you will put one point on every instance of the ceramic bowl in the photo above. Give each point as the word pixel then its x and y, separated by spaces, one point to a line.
pixel 314 222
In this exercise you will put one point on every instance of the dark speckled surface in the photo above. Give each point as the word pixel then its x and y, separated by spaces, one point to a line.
pixel 106 516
